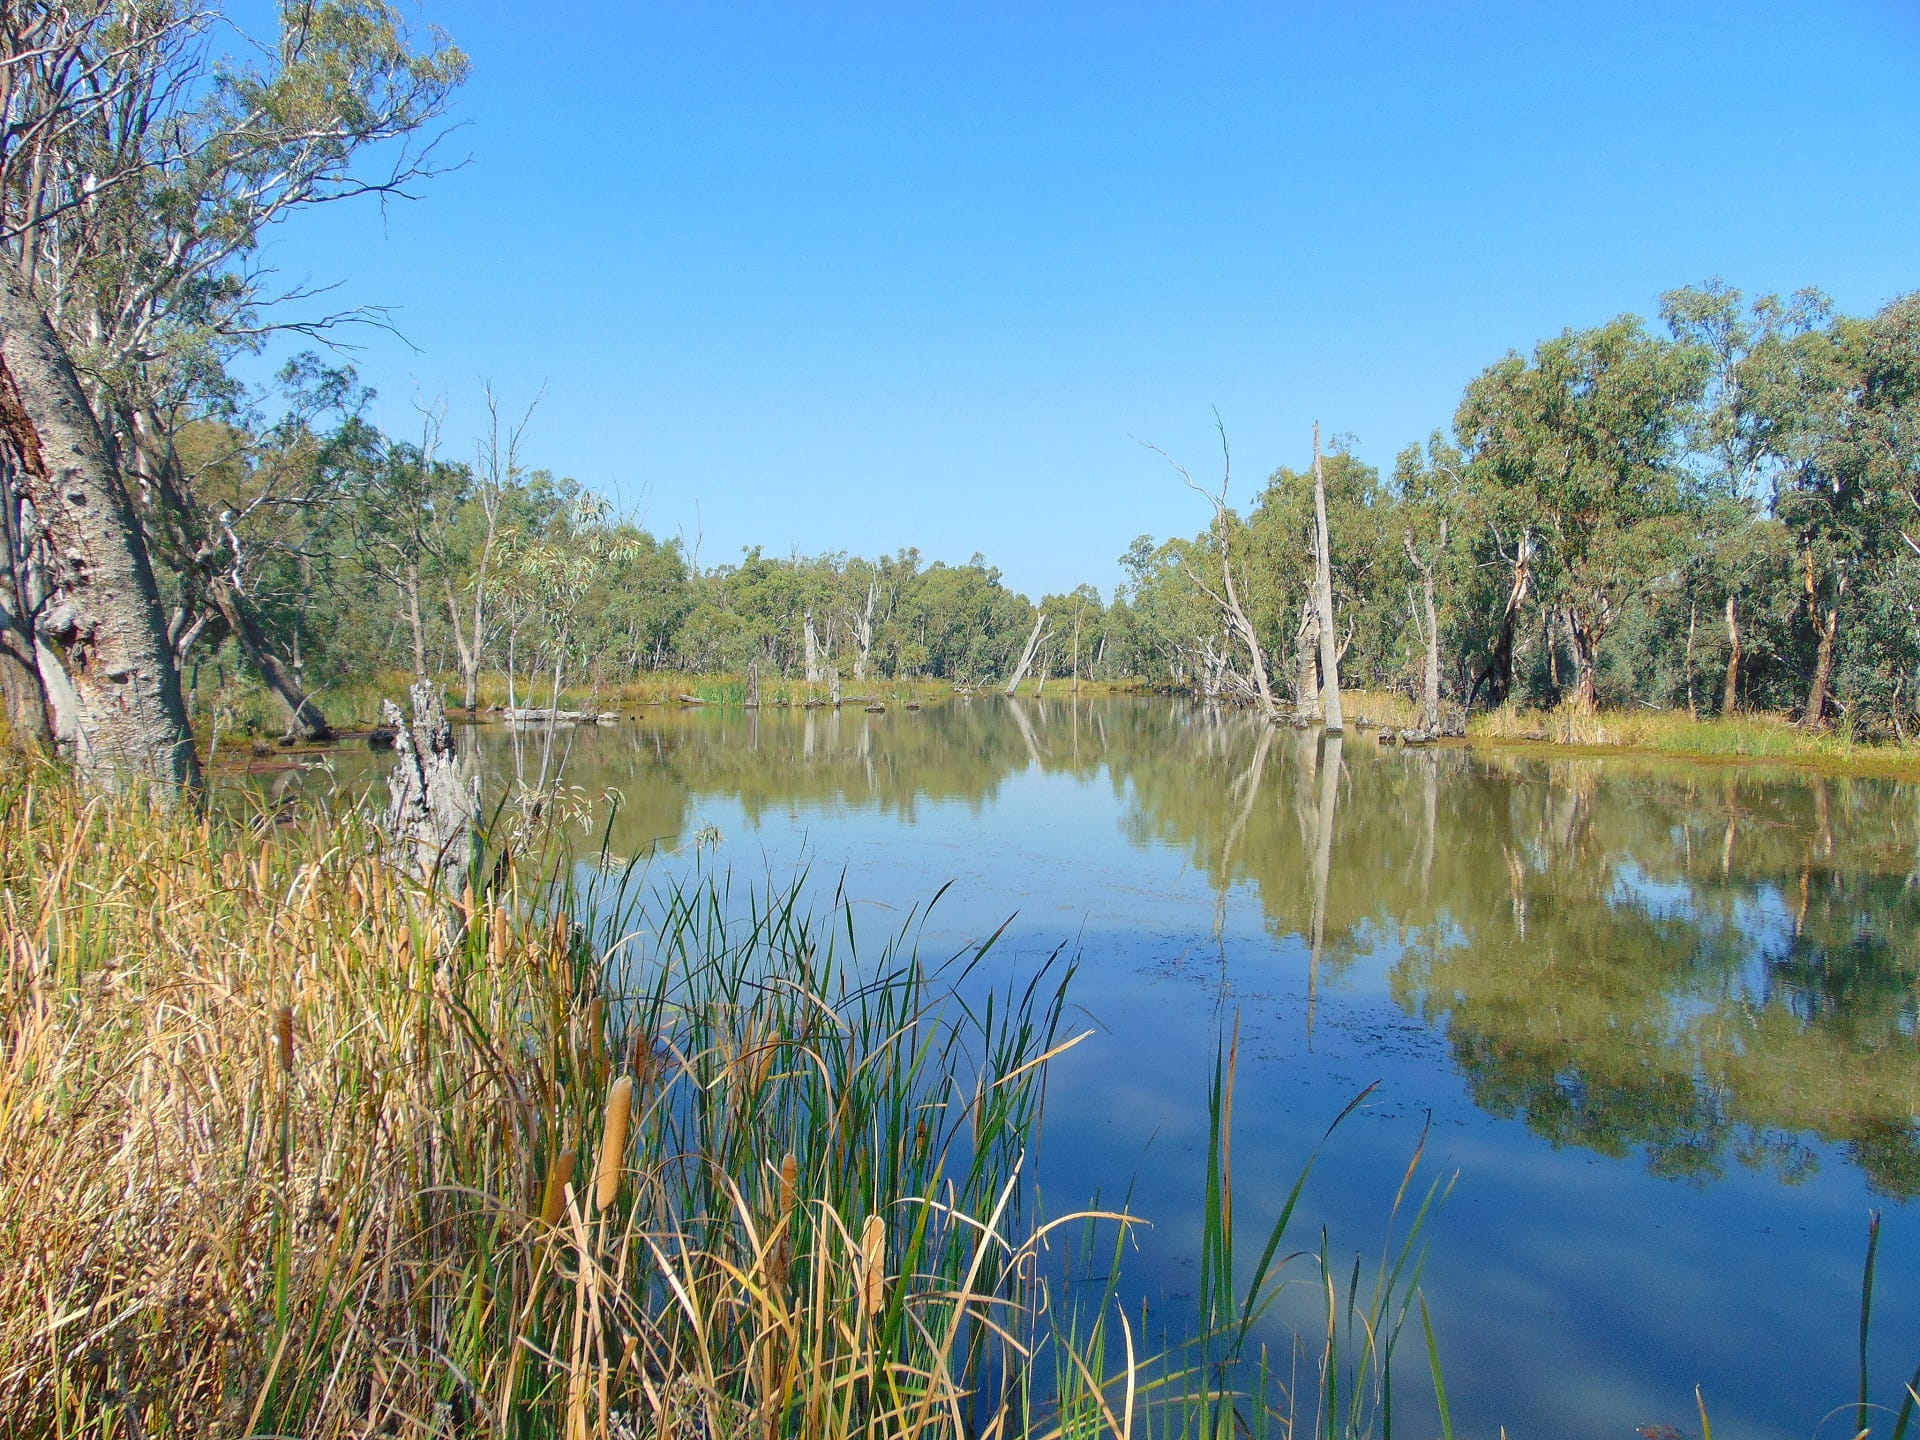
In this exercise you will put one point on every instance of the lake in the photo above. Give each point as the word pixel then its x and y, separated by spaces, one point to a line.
pixel 1659 1017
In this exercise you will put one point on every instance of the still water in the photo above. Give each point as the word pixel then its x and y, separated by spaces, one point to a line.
pixel 1659 1018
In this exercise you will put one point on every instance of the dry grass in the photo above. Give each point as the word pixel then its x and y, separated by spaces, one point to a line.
pixel 288 1147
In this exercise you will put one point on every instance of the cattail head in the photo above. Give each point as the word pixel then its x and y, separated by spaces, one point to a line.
pixel 873 1265
pixel 597 1031
pixel 613 1143
pixel 789 1183
pixel 644 1060
pixel 283 1037
pixel 559 1174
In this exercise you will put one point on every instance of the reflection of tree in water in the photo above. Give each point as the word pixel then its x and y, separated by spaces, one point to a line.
pixel 1708 965
pixel 781 760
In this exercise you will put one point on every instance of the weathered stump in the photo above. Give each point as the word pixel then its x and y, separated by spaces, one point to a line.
pixel 433 799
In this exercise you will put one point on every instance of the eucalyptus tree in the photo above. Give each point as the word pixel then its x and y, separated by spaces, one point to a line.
pixel 83 626
pixel 139 167
pixel 1812 414
pixel 1430 486
pixel 1855 496
pixel 1580 447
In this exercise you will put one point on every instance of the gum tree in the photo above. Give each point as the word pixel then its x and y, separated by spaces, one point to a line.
pixel 139 167
pixel 1579 446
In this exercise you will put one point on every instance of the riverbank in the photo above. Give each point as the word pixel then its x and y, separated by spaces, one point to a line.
pixel 249 730
pixel 1745 739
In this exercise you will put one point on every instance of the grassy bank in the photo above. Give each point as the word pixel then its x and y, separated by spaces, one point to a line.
pixel 290 1145
pixel 1737 739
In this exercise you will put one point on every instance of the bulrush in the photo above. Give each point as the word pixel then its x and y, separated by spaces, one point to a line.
pixel 873 1265
pixel 554 1201
pixel 782 1258
pixel 613 1143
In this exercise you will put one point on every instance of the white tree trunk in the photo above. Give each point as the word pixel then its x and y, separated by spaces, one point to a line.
pixel 1026 655
pixel 1323 563
pixel 813 651
pixel 863 632
pixel 101 654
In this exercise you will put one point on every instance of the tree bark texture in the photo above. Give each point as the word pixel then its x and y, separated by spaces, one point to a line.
pixel 1586 645
pixel 25 714
pixel 1306 662
pixel 101 657
pixel 433 803
pixel 1822 687
pixel 1828 625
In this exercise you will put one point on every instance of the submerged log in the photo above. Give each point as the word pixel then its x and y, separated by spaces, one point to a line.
pixel 541 716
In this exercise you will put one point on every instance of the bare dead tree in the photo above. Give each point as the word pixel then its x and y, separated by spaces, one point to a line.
pixel 1026 656
pixel 1227 597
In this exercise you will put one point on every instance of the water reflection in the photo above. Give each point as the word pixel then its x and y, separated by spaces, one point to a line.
pixel 1599 978
pixel 1708 966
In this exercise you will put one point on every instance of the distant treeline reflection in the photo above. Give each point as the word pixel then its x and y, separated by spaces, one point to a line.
pixel 1703 962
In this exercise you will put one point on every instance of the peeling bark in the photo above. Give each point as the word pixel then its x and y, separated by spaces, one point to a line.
pixel 1585 638
pixel 101 657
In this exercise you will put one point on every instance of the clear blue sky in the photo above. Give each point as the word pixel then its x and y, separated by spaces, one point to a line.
pixel 862 276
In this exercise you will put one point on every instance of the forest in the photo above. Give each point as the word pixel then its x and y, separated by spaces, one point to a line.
pixel 1712 516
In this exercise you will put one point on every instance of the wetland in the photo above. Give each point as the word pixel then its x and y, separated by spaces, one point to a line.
pixel 1659 1017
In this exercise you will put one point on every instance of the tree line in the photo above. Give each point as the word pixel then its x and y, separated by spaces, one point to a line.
pixel 1715 513
pixel 1721 513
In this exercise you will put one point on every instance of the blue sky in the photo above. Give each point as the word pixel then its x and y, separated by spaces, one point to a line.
pixel 863 276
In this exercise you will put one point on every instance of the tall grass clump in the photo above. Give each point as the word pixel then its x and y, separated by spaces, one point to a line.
pixel 293 1145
